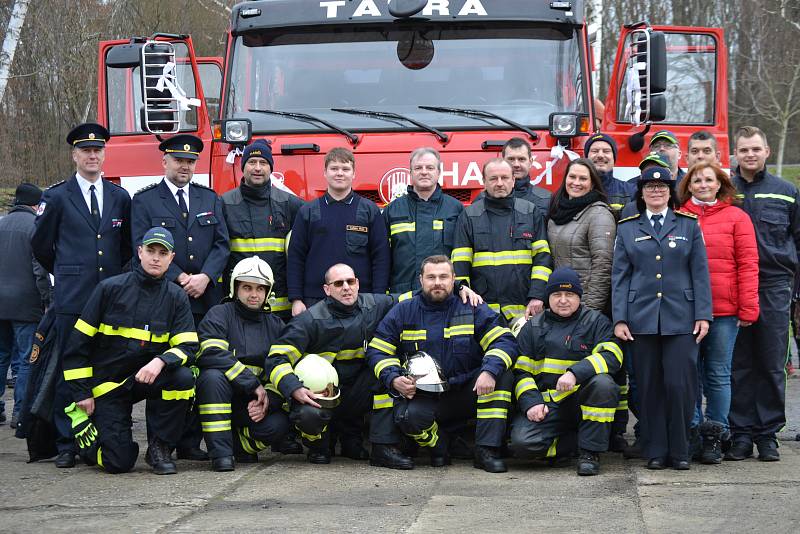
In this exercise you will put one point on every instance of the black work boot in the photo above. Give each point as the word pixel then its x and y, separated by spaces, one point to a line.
pixel 195 454
pixel 158 457
pixel 440 456
pixel 588 463
pixel 617 443
pixel 353 449
pixel 711 431
pixel 319 456
pixel 222 464
pixel 767 449
pixel 289 445
pixel 633 450
pixel 741 448
pixel 384 455
pixel 489 460
pixel 695 443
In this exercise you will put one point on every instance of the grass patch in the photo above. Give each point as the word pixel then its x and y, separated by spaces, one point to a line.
pixel 6 198
pixel 790 172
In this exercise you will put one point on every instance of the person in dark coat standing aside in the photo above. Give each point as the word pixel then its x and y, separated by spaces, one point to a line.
pixel 82 236
pixel 24 293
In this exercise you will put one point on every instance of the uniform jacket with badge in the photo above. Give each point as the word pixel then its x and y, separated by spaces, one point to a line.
pixel 418 229
pixel 69 246
pixel 201 239
pixel 660 282
pixel 236 340
pixel 773 205
pixel 501 250
pixel 129 320
pixel 550 345
pixel 464 340
pixel 336 332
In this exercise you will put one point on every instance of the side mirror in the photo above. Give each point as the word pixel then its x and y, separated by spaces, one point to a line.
pixel 647 76
pixel 125 56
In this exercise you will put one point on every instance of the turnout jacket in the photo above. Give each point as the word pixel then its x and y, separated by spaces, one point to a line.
pixel 259 221
pixel 501 251
pixel 618 192
pixel 336 332
pixel 418 229
pixel 773 205
pixel 464 340
pixel 129 320
pixel 550 345
pixel 525 190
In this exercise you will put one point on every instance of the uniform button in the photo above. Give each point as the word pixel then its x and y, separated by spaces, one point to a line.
pixel 658 276
pixel 658 294
pixel 163 223
pixel 100 269
pixel 99 252
pixel 191 256
pixel 98 236
pixel 190 238
pixel 658 258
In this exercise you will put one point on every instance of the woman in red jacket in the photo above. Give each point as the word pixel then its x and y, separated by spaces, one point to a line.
pixel 707 192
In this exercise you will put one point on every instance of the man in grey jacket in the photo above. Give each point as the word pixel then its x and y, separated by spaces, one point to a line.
pixel 24 293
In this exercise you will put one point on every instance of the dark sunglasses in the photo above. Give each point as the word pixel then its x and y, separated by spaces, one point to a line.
pixel 339 283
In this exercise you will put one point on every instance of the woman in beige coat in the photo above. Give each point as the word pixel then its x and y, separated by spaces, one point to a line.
pixel 581 230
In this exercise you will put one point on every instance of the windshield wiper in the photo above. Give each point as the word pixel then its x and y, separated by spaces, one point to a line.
pixel 483 114
pixel 388 115
pixel 353 138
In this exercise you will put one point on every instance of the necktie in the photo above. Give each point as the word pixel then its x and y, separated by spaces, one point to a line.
pixel 95 207
pixel 182 204
pixel 657 222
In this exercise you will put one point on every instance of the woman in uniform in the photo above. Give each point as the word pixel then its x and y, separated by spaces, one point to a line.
pixel 661 302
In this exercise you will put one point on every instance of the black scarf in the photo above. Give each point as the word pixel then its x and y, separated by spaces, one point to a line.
pixel 256 195
pixel 569 207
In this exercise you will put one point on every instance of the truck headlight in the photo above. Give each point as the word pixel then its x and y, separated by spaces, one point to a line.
pixel 233 131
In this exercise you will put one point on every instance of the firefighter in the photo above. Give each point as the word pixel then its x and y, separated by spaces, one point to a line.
pixel 563 379
pixel 501 247
pixel 193 214
pixel 234 339
pixel 134 340
pixel 82 236
pixel 475 353
pixel 422 222
pixel 259 216
pixel 601 149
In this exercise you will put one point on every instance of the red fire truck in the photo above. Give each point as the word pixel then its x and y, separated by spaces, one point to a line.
pixel 385 77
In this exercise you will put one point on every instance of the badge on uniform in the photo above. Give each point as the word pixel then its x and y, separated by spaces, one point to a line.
pixel 40 208
pixel 116 223
pixel 642 238
pixel 354 228
pixel 674 238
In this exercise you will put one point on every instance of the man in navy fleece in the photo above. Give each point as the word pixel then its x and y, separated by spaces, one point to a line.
pixel 341 226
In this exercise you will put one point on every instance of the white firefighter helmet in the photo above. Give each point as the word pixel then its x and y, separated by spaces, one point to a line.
pixel 426 372
pixel 517 324
pixel 319 376
pixel 253 270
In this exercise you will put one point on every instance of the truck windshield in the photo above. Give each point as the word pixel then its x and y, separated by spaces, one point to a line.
pixel 522 73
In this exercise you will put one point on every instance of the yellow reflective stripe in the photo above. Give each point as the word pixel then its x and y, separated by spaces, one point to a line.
pixel 259 444
pixel 494 307
pixel 278 304
pixel 235 370
pixel 594 413
pixel 464 278
pixel 288 350
pixel 262 244
pixel 598 363
pixel 525 384
pixel 775 196
pixel 215 426
pixel 499 395
pixel 558 396
pixel 616 207
pixel 438 224
pixel 380 402
pixel 551 451
pixel 85 328
pixel 179 353
pixel 100 456
pixel 383 364
pixel 330 356
pixel 428 437
pixel 405 296
pixel 623 390
pixel 502 257
pixel 399 228
pixel 177 394
pixel 76 374
pixel 539 272
pixel 529 365
pixel 459 330
pixel 491 335
pixel 539 246
pixel 214 408
pixel 383 346
pixel 279 372
pixel 183 337
pixel 134 333
pixel 512 310
pixel 552 365
pixel 413 335
pixel 350 354
pixel 255 369
pixel 611 347
pixel 312 437
pixel 212 342
pixel 461 254
pixel 105 387
pixel 622 406
pixel 503 355
pixel 492 413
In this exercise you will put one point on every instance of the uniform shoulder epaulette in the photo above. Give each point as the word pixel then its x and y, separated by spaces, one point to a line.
pixel 57 184
pixel 203 186
pixel 147 188
pixel 686 214
pixel 632 217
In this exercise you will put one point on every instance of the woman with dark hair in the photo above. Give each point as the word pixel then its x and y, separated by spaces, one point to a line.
pixel 581 230
pixel 661 302
pixel 708 192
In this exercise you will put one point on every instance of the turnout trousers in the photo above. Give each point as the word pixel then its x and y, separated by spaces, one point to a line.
pixel 427 416
pixel 589 411
pixel 227 427
pixel 107 438
pixel 758 377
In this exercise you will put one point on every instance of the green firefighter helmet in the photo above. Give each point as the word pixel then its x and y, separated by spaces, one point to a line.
pixel 319 376
pixel 517 324
pixel 254 270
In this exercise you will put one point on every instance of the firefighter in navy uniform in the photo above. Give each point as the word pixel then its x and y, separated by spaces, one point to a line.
pixel 475 353
pixel 193 214
pixel 259 217
pixel 501 247
pixel 134 340
pixel 564 378
pixel 235 338
pixel 82 237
